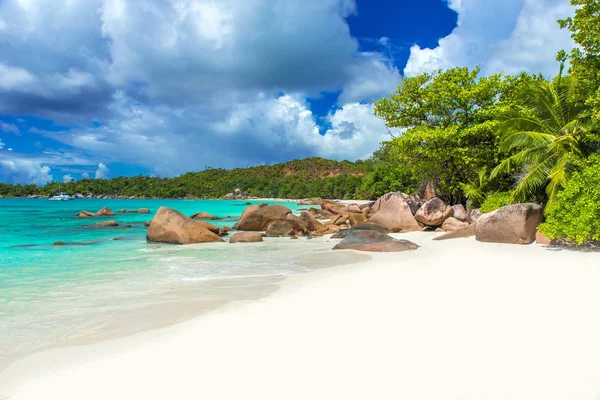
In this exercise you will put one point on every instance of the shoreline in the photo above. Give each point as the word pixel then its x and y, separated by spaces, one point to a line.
pixel 453 319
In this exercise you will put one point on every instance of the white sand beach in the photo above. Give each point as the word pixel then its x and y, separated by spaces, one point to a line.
pixel 455 319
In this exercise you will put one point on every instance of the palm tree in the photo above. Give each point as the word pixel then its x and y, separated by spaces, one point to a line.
pixel 545 135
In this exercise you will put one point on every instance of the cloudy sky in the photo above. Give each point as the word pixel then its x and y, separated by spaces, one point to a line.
pixel 103 88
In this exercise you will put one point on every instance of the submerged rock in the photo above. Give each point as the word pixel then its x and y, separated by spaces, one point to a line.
pixel 138 211
pixel 246 237
pixel 374 241
pixel 106 224
pixel 171 226
pixel 85 214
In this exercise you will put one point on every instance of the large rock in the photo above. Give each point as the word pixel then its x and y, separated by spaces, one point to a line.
pixel 246 237
pixel 106 224
pixel 428 191
pixel 373 241
pixel 259 217
pixel 464 232
pixel 453 224
pixel 85 214
pixel 105 212
pixel 459 212
pixel 315 201
pixel 171 226
pixel 200 216
pixel 366 227
pixel 514 224
pixel 393 212
pixel 414 203
pixel 434 212
pixel 313 224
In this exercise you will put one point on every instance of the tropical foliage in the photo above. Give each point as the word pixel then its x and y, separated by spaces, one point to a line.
pixel 545 135
pixel 575 215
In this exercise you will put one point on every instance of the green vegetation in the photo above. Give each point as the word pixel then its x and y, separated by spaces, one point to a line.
pixel 575 215
pixel 545 136
pixel 311 177
pixel 495 201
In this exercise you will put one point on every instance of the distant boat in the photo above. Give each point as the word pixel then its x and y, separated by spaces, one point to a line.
pixel 61 196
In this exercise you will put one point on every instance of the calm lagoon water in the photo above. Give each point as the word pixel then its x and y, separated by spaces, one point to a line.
pixel 59 294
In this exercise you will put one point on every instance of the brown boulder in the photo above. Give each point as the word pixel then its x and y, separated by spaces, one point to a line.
pixel 147 223
pixel 246 237
pixel 464 232
pixel 434 212
pixel 258 218
pixel 170 226
pixel 332 206
pixel 393 211
pixel 281 228
pixel 373 241
pixel 300 225
pixel 105 212
pixel 106 224
pixel 203 216
pixel 428 191
pixel 513 224
pixel 459 212
pixel 313 224
pixel 453 224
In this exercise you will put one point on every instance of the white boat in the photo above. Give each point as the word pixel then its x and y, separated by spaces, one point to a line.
pixel 60 196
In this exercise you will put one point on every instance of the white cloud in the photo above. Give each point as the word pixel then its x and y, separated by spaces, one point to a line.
pixel 102 171
pixel 510 36
pixel 9 149
pixel 2 144
pixel 10 128
pixel 67 178
pixel 85 175
pixel 24 172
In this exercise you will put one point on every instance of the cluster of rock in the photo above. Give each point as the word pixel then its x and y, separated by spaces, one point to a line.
pixel 364 227
pixel 107 212
pixel 237 194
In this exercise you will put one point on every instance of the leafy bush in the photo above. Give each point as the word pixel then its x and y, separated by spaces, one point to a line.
pixel 575 215
pixel 495 201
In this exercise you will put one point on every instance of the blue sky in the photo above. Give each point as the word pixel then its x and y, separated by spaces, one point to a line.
pixel 103 88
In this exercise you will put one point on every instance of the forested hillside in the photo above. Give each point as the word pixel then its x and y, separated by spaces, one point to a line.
pixel 310 177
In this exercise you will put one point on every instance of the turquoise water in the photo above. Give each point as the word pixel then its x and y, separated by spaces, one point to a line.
pixel 52 294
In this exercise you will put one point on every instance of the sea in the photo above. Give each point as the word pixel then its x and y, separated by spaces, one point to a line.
pixel 109 282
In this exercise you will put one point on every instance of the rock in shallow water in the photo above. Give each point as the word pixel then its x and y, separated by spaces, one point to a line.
pixel 246 237
pixel 171 226
pixel 374 241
